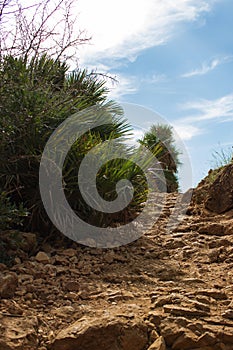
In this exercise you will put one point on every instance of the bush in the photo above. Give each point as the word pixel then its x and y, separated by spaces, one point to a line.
pixel 11 216
pixel 36 96
pixel 159 140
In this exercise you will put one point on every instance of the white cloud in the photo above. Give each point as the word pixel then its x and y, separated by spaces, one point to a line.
pixel 123 86
pixel 186 131
pixel 208 66
pixel 220 109
pixel 123 28
pixel 154 79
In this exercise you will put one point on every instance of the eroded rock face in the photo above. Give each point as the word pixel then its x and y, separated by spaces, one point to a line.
pixel 18 333
pixel 220 193
pixel 115 333
pixel 214 194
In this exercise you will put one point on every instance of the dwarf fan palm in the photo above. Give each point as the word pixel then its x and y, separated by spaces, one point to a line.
pixel 35 97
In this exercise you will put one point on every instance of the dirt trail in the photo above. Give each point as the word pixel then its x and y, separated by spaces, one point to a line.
pixel 167 290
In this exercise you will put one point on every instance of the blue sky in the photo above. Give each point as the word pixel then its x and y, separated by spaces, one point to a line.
pixel 174 57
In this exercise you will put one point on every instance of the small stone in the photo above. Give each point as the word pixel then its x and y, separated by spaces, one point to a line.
pixel 115 297
pixel 171 332
pixel 159 344
pixel 153 335
pixel 28 296
pixel 193 280
pixel 17 261
pixel 212 229
pixel 214 255
pixel 227 335
pixel 3 267
pixel 15 309
pixel 43 258
pixel 29 242
pixel 72 286
pixel 201 306
pixel 213 293
pixel 109 257
pixel 154 318
pixel 8 284
pixel 184 311
pixel 63 311
pixel 69 252
pixel 185 341
pixel 206 339
pixel 228 314
pixel 170 299
pixel 61 260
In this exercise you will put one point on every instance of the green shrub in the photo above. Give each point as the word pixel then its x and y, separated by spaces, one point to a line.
pixel 160 141
pixel 11 215
pixel 35 97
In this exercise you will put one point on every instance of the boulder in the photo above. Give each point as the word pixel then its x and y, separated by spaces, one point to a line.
pixel 103 333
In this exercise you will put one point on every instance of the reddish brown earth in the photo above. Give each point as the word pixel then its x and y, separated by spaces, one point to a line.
pixel 167 290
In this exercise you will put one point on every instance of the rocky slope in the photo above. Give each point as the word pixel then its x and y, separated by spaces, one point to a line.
pixel 167 290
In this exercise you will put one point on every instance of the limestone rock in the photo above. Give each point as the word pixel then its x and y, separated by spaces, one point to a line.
pixel 18 333
pixel 104 333
pixel 8 284
pixel 154 318
pixel 69 252
pixel 159 292
pixel 220 193
pixel 72 286
pixel 184 311
pixel 206 339
pixel 63 311
pixel 159 344
pixel 29 242
pixel 212 229
pixel 213 293
pixel 171 332
pixel 117 296
pixel 43 258
pixel 185 341
pixel 228 314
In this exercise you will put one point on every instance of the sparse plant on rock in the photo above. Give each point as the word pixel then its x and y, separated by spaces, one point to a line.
pixel 222 157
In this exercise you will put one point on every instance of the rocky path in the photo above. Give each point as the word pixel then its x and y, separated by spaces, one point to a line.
pixel 167 290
